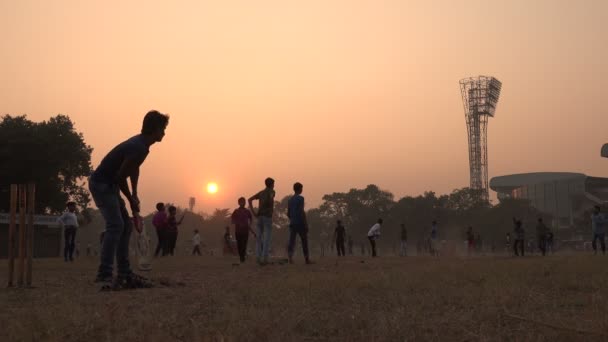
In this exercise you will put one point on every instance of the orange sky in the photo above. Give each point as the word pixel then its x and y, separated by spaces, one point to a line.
pixel 335 94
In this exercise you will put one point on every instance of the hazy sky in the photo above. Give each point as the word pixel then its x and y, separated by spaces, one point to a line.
pixel 334 94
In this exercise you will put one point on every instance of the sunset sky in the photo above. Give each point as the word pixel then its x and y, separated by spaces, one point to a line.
pixel 334 94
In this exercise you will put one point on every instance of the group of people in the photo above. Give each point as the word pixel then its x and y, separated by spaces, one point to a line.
pixel 167 230
pixel 121 167
pixel 544 238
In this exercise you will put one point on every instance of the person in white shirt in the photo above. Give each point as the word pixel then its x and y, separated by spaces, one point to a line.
pixel 373 235
pixel 196 243
pixel 69 222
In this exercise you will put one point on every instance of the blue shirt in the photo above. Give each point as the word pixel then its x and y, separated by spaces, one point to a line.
pixel 134 148
pixel 295 208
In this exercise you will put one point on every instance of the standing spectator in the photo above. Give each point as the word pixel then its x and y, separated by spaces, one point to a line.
pixel 598 222
pixel 470 241
pixel 172 230
pixel 196 243
pixel 339 237
pixel 403 247
pixel 298 225
pixel 373 235
pixel 160 223
pixel 519 232
pixel 541 236
pixel 242 220
pixel 264 217
pixel 69 221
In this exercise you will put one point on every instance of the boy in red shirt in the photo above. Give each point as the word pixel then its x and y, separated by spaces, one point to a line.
pixel 242 219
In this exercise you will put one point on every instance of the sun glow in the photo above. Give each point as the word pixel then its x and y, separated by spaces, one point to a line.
pixel 212 188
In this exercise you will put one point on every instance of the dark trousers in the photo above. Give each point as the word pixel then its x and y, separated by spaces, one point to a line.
pixel 69 245
pixel 118 229
pixel 171 241
pixel 303 232
pixel 161 246
pixel 241 245
pixel 372 241
pixel 542 244
pixel 340 247
pixel 196 250
pixel 602 239
pixel 518 244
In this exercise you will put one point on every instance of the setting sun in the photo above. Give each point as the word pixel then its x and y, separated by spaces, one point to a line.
pixel 212 188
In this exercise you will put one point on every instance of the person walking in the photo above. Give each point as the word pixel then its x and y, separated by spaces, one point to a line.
pixel 298 225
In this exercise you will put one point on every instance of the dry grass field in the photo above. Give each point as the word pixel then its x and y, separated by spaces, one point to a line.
pixel 558 298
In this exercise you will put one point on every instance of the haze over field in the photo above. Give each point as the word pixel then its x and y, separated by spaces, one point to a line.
pixel 334 94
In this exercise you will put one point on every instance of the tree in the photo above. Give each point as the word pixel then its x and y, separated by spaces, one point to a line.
pixel 358 208
pixel 51 154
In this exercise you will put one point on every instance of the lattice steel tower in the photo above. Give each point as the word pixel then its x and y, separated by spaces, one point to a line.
pixel 480 96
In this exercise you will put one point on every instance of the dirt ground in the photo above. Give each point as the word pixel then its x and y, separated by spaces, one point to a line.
pixel 557 298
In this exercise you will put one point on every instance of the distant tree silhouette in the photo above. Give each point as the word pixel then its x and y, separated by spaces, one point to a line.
pixel 51 154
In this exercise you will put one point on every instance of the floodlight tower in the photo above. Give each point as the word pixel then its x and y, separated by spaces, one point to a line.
pixel 480 96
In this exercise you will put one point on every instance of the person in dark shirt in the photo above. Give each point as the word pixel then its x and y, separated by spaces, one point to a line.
pixel 339 237
pixel 470 241
pixel 541 236
pixel 403 249
pixel 159 221
pixel 519 232
pixel 264 217
pixel 242 219
pixel 106 183
pixel 172 230
pixel 297 223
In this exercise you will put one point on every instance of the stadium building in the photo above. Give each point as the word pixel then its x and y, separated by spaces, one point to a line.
pixel 563 195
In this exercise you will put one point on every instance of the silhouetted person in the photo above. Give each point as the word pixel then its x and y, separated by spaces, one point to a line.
pixel 470 241
pixel 541 236
pixel 298 225
pixel 403 245
pixel 518 246
pixel 69 221
pixel 373 235
pixel 508 242
pixel 228 242
pixel 196 243
pixel 264 217
pixel 106 183
pixel 434 237
pixel 598 222
pixel 172 229
pixel 339 237
pixel 242 220
pixel 549 246
pixel 160 223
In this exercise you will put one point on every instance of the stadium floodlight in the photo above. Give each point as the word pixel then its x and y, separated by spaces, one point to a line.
pixel 480 97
